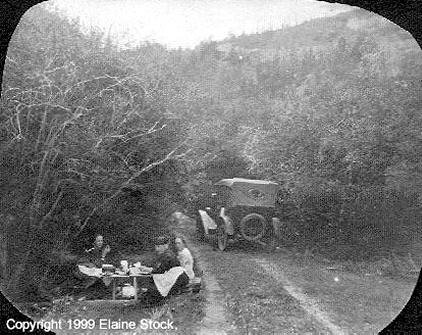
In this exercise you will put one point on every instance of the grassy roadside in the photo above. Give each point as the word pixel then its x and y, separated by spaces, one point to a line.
pixel 183 311
pixel 363 303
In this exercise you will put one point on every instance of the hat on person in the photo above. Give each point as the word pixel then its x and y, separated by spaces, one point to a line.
pixel 161 240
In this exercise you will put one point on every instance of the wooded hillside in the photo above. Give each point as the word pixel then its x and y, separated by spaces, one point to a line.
pixel 94 138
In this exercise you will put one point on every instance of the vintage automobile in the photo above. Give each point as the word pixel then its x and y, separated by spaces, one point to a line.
pixel 240 209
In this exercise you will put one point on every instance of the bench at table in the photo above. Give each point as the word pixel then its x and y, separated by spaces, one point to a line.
pixel 125 278
pixel 194 285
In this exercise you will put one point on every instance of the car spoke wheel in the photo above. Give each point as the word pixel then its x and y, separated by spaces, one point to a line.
pixel 221 238
pixel 253 227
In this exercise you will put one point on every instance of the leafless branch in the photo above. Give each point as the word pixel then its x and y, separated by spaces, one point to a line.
pixel 82 175
pixel 412 263
pixel 150 131
pixel 51 211
pixel 44 104
pixel 125 137
pixel 125 184
pixel 123 159
pixel 11 60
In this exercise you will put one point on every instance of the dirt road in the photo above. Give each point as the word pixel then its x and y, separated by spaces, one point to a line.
pixel 255 292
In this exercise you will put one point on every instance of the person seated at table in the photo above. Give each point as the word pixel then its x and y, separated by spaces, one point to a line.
pixel 98 253
pixel 184 256
pixel 168 277
pixel 89 268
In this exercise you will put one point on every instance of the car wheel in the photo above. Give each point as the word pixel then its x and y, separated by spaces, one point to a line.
pixel 253 227
pixel 222 238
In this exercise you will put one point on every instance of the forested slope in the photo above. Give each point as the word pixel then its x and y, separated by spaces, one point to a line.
pixel 98 138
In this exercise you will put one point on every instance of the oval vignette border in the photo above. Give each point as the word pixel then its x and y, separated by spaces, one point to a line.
pixel 407 14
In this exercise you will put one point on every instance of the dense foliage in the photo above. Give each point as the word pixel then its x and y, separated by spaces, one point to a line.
pixel 94 138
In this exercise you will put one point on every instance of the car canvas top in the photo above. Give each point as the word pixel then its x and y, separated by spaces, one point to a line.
pixel 250 192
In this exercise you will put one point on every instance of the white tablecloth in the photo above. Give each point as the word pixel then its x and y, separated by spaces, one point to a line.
pixel 165 281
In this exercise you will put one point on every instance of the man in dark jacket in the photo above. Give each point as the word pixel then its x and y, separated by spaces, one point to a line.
pixel 94 287
pixel 97 254
pixel 165 261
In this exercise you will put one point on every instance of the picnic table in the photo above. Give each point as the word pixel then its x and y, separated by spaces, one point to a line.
pixel 116 278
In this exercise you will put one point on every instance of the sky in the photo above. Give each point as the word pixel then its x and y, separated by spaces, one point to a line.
pixel 185 23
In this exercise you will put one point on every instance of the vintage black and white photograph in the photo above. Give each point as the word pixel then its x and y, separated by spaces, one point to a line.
pixel 209 167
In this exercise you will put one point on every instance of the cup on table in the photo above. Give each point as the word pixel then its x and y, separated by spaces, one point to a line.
pixel 125 266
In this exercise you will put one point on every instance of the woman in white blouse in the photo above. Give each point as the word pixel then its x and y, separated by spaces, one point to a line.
pixel 184 256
